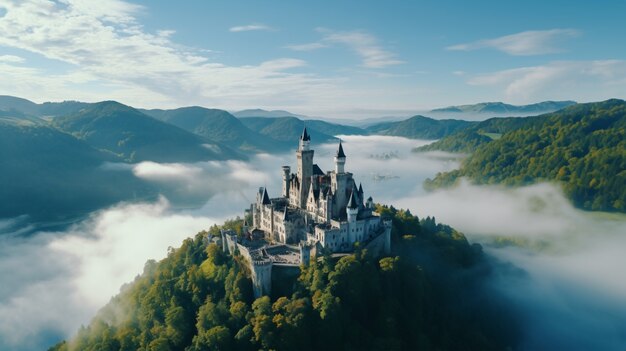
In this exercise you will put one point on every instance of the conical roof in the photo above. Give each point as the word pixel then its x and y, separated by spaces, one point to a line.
pixel 340 152
pixel 305 136
pixel 352 202
pixel 266 199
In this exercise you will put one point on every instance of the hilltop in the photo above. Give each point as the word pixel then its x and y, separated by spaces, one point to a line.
pixel 431 293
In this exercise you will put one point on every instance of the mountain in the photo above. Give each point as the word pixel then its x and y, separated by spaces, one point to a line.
pixel 134 136
pixel 469 139
pixel 582 147
pixel 500 108
pixel 217 125
pixel 50 175
pixel 47 109
pixel 264 113
pixel 419 127
pixel 285 129
pixel 16 117
pixel 433 293
pixel 333 129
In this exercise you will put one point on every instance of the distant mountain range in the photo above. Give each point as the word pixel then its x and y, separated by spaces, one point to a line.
pixel 502 109
pixel 134 136
pixel 257 112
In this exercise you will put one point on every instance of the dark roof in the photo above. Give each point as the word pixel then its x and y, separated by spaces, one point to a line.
pixel 352 202
pixel 360 188
pixel 340 152
pixel 317 170
pixel 266 199
pixel 305 136
pixel 369 198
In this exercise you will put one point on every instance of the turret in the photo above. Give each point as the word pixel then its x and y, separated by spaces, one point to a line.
pixel 352 210
pixel 340 160
pixel 370 203
pixel 305 168
pixel 286 180
pixel 305 140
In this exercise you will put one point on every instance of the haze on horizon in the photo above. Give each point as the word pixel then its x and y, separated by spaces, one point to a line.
pixel 353 59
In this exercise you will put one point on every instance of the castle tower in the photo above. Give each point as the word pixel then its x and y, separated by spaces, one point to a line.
pixel 286 175
pixel 340 160
pixel 352 210
pixel 305 167
pixel 305 253
pixel 370 203
pixel 261 277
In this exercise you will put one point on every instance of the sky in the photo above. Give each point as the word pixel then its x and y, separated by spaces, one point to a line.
pixel 343 59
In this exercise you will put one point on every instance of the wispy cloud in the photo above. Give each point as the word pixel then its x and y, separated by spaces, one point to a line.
pixel 307 47
pixel 365 45
pixel 250 27
pixel 108 53
pixel 581 80
pixel 536 42
pixel 11 59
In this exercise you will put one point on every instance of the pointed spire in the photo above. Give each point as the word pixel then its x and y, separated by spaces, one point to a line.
pixel 340 152
pixel 361 189
pixel 305 136
pixel 352 202
pixel 266 199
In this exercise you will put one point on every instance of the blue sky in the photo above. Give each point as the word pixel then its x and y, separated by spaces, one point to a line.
pixel 333 58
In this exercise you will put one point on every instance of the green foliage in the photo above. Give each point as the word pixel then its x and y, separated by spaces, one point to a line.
pixel 51 175
pixel 582 147
pixel 430 294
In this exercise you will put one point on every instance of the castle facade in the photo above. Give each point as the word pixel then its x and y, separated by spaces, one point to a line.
pixel 325 210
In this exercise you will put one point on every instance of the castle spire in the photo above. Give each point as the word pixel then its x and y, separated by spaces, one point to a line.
pixel 352 202
pixel 266 198
pixel 361 189
pixel 340 152
pixel 305 136
pixel 340 160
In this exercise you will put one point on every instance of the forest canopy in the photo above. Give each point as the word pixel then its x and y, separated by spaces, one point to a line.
pixel 431 293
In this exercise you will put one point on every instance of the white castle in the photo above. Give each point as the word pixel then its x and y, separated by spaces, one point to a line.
pixel 318 208
pixel 317 212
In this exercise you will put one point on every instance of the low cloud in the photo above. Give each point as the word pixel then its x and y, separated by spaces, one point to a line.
pixel 534 42
pixel 55 281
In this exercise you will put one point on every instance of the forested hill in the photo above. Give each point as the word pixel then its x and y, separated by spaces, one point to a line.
pixel 583 147
pixel 467 140
pixel 431 294
pixel 419 127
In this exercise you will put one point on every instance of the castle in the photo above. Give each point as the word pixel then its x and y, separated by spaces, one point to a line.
pixel 316 211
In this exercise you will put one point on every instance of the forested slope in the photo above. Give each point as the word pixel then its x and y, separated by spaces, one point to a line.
pixel 583 147
pixel 431 293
